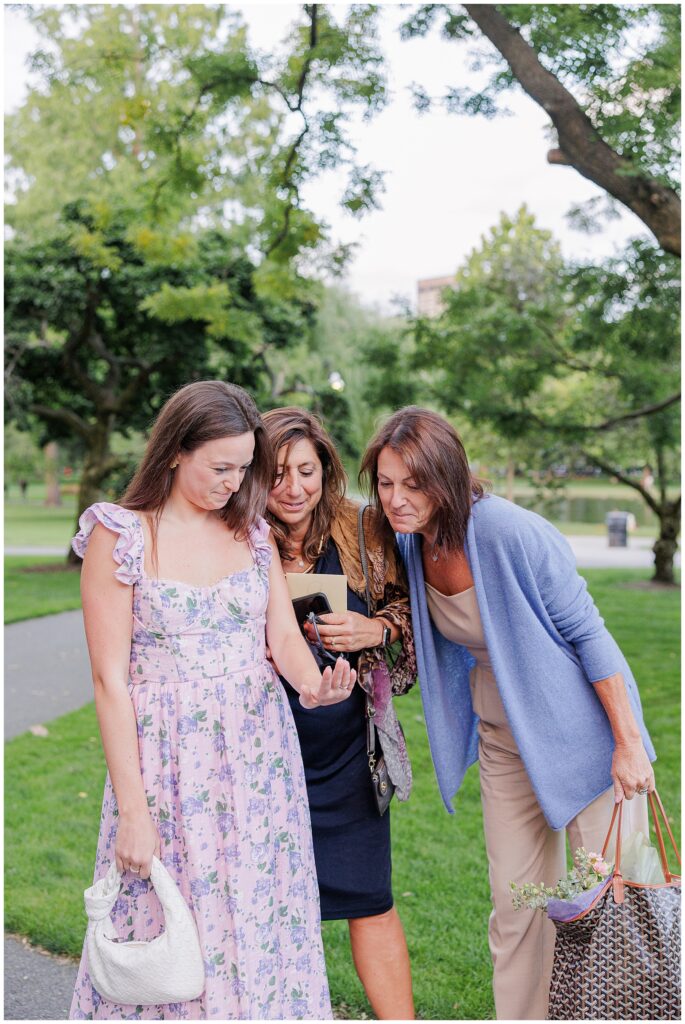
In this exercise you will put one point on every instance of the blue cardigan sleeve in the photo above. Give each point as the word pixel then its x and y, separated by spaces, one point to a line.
pixel 570 607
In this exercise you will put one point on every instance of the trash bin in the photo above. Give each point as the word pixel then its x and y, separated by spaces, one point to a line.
pixel 617 528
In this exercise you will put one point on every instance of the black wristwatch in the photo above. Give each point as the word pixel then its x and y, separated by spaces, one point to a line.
pixel 386 637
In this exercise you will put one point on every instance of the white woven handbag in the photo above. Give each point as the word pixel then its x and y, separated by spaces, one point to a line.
pixel 168 969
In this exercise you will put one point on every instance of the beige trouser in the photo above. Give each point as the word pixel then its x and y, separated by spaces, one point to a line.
pixel 521 847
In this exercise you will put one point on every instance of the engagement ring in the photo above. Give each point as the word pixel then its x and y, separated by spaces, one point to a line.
pixel 136 871
pixel 642 792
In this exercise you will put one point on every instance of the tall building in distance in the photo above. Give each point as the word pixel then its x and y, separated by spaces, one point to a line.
pixel 429 298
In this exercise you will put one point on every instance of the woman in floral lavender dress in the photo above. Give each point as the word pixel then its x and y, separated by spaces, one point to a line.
pixel 181 589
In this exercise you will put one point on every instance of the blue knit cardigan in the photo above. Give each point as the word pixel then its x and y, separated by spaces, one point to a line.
pixel 547 644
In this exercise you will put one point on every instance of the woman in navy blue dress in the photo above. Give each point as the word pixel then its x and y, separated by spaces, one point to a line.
pixel 316 529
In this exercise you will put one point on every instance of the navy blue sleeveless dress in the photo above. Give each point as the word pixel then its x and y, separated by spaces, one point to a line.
pixel 351 839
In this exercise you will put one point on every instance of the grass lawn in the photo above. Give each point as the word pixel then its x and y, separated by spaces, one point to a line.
pixel 31 524
pixel 53 789
pixel 38 585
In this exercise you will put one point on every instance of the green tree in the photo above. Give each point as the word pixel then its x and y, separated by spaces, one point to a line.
pixel 99 333
pixel 582 360
pixel 167 112
pixel 608 76
pixel 159 231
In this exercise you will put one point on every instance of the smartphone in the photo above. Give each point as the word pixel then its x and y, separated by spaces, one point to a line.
pixel 317 603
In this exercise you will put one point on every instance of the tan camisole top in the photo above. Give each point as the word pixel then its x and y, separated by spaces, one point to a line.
pixel 457 617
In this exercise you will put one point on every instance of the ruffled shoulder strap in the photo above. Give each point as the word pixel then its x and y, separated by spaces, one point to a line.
pixel 258 538
pixel 128 550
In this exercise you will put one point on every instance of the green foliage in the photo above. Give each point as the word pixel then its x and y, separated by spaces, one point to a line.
pixel 168 113
pixel 157 150
pixel 98 335
pixel 23 457
pixel 620 61
pixel 559 362
pixel 115 320
pixel 517 346
pixel 343 334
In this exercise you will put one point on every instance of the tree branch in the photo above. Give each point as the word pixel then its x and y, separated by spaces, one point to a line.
pixel 85 334
pixel 594 428
pixel 71 419
pixel 293 193
pixel 130 393
pixel 646 410
pixel 580 145
pixel 606 467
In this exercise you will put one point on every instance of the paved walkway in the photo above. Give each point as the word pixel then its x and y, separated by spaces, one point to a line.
pixel 35 551
pixel 37 986
pixel 48 674
pixel 594 553
pixel 47 671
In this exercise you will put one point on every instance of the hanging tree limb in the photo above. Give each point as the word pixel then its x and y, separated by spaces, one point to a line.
pixel 647 410
pixel 580 145
pixel 610 470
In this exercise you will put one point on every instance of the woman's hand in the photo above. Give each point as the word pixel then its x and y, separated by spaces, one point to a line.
pixel 347 631
pixel 631 770
pixel 136 843
pixel 335 686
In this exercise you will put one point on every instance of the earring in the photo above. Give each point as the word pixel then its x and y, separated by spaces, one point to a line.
pixel 173 465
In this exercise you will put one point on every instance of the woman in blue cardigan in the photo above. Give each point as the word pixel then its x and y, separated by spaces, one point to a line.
pixel 517 671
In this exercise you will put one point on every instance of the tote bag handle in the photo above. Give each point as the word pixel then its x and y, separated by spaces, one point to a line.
pixel 654 803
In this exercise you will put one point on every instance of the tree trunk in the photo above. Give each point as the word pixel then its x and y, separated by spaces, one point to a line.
pixel 53 498
pixel 666 543
pixel 98 463
pixel 511 470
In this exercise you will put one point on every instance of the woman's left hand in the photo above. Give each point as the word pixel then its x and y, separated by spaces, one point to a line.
pixel 631 770
pixel 347 632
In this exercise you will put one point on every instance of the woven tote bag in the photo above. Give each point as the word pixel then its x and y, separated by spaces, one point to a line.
pixel 619 959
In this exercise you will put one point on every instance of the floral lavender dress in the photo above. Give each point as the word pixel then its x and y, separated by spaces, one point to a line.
pixel 223 774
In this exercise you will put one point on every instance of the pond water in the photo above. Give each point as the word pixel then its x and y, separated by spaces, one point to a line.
pixel 573 509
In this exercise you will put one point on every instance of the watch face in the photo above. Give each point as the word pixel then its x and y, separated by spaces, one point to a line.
pixel 386 635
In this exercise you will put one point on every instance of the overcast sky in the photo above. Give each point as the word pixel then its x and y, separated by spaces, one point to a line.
pixel 448 177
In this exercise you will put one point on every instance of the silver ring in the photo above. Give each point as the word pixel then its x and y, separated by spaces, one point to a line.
pixel 642 792
pixel 332 641
pixel 135 871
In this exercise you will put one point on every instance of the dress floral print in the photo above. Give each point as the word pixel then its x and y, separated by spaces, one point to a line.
pixel 222 770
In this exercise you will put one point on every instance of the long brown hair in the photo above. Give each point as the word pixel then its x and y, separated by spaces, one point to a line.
pixel 432 450
pixel 286 427
pixel 199 412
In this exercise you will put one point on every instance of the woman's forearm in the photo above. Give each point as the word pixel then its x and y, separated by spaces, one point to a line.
pixel 630 768
pixel 296 663
pixel 119 733
pixel 614 699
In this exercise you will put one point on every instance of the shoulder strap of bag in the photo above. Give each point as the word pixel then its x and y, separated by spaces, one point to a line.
pixel 370 709
pixel 363 555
